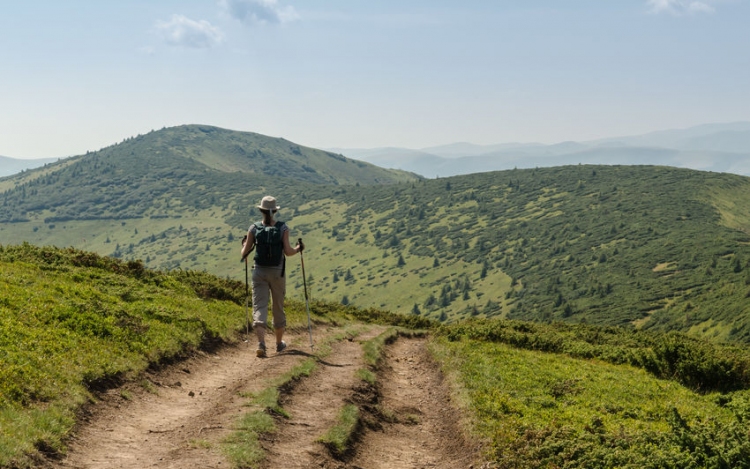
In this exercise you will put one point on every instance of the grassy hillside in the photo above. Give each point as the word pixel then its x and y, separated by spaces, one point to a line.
pixel 644 246
pixel 561 408
pixel 173 171
pixel 73 322
pixel 641 246
pixel 540 395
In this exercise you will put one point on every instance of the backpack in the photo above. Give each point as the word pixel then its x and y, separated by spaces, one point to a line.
pixel 269 247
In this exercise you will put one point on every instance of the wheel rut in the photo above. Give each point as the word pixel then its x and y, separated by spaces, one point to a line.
pixel 419 426
pixel 313 407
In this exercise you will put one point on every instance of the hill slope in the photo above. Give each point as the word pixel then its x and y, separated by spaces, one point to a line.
pixel 648 246
pixel 199 166
pixel 643 246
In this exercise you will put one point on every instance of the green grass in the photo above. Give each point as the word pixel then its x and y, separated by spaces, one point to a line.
pixel 242 446
pixel 338 437
pixel 696 363
pixel 373 348
pixel 541 409
pixel 367 376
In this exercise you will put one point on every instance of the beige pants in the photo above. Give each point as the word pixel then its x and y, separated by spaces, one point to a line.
pixel 268 284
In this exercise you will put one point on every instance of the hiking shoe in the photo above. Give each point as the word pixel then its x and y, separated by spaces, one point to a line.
pixel 280 346
pixel 261 352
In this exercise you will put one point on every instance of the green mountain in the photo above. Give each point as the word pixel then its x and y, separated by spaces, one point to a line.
pixel 201 166
pixel 649 247
pixel 641 246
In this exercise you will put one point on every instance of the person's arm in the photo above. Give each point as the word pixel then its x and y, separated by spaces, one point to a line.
pixel 248 245
pixel 288 249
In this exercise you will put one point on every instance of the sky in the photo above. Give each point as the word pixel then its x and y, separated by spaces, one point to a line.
pixel 80 75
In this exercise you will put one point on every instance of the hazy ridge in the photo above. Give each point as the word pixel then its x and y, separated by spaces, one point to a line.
pixel 9 166
pixel 711 147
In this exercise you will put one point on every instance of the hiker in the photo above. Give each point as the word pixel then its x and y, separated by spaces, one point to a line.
pixel 270 240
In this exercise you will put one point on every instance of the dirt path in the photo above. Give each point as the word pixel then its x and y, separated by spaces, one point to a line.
pixel 313 407
pixel 177 418
pixel 421 427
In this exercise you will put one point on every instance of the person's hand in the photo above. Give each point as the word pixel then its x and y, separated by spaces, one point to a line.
pixel 300 246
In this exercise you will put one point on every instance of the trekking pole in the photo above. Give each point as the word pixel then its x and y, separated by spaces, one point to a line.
pixel 307 301
pixel 247 314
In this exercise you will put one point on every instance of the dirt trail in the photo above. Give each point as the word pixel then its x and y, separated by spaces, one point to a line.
pixel 181 414
pixel 422 428
pixel 313 407
pixel 177 418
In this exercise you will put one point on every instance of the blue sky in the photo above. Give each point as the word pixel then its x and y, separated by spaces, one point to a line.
pixel 79 75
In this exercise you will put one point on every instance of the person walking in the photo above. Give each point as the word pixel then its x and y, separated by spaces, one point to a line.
pixel 269 239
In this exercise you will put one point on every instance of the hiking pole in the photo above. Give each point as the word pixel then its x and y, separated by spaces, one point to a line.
pixel 247 289
pixel 307 301
pixel 247 314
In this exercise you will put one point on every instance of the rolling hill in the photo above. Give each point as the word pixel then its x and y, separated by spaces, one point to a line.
pixel 641 246
pixel 200 166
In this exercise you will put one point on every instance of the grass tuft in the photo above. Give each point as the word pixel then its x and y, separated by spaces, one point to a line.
pixel 339 437
pixel 367 376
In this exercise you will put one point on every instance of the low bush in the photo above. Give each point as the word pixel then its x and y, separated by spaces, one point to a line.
pixel 701 365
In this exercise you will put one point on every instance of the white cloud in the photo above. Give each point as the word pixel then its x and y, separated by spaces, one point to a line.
pixel 700 7
pixel 681 7
pixel 259 11
pixel 184 32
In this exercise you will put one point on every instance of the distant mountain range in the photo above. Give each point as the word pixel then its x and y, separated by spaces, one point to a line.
pixel 10 166
pixel 710 147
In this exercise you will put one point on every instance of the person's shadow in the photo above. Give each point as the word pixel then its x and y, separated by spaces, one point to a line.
pixel 310 355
